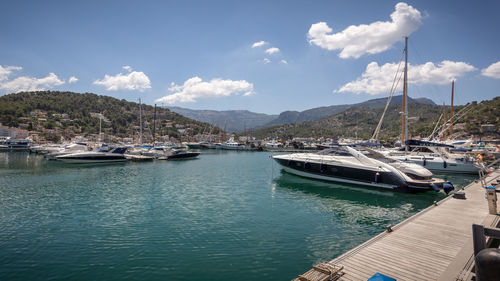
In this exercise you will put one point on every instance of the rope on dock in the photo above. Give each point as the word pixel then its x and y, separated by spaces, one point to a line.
pixel 322 272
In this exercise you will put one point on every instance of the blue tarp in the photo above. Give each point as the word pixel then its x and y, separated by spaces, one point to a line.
pixel 425 143
pixel 380 277
pixel 368 144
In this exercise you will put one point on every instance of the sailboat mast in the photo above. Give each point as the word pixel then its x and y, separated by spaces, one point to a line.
pixel 140 122
pixel 154 125
pixel 404 127
pixel 100 122
pixel 451 110
pixel 443 135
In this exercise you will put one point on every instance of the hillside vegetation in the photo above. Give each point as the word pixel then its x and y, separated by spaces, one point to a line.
pixel 362 121
pixel 24 109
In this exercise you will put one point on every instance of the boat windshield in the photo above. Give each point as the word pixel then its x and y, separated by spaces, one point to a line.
pixel 335 151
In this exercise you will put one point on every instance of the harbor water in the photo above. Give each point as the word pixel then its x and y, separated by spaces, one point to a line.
pixel 223 216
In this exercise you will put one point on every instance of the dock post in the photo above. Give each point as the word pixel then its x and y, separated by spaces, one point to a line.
pixel 478 238
pixel 491 195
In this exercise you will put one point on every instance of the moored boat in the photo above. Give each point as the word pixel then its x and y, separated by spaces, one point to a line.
pixel 116 155
pixel 347 165
pixel 181 155
pixel 16 145
pixel 435 157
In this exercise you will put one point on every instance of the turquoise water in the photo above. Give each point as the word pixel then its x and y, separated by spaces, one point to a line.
pixel 224 216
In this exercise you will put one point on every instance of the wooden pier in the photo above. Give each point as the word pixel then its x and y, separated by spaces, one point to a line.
pixel 434 244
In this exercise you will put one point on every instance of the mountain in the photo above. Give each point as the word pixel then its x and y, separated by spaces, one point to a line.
pixel 233 120
pixel 238 120
pixel 361 121
pixel 78 114
pixel 318 113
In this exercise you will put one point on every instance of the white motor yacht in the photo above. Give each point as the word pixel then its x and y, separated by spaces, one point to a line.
pixel 433 156
pixel 116 155
pixel 347 165
pixel 70 148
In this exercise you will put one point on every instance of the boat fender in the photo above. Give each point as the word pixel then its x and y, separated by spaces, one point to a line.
pixel 448 187
pixel 307 166
pixel 289 163
pixel 445 164
pixel 377 177
pixel 435 187
pixel 425 162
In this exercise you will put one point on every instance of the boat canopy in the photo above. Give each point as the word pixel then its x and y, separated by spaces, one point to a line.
pixel 425 143
pixel 368 144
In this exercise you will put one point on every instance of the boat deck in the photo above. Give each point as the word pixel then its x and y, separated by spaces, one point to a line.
pixel 434 244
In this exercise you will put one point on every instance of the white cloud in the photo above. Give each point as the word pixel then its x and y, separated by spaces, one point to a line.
pixel 6 71
pixel 266 60
pixel 195 88
pixel 372 38
pixel 127 68
pixel 378 79
pixel 134 80
pixel 272 50
pixel 72 79
pixel 25 83
pixel 283 62
pixel 259 44
pixel 492 71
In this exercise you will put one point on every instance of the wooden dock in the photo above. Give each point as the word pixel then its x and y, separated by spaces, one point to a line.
pixel 434 244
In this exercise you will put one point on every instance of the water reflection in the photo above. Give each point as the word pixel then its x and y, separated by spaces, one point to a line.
pixel 370 196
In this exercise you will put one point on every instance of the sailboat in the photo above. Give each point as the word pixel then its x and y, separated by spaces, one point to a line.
pixel 432 156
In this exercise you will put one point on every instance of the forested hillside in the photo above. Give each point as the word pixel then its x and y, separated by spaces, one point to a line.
pixel 362 121
pixel 51 109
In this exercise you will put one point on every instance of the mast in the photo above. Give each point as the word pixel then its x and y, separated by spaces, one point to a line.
pixel 154 124
pixel 140 122
pixel 451 113
pixel 443 135
pixel 404 127
pixel 100 121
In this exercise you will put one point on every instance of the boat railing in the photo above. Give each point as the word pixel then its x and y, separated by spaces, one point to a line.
pixel 483 172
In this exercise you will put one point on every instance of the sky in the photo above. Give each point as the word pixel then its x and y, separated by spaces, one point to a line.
pixel 262 56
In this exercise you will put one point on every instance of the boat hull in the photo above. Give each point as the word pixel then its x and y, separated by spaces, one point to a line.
pixel 348 175
pixel 183 156
pixel 90 161
pixel 88 158
pixel 444 166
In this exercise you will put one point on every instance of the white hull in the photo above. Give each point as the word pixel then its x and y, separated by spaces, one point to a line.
pixel 439 165
pixel 90 161
pixel 91 157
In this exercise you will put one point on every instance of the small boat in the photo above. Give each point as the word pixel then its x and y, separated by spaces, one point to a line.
pixel 115 155
pixel 51 154
pixel 16 145
pixel 181 155
pixel 194 145
pixel 138 157
pixel 347 165
pixel 435 157
pixel 208 145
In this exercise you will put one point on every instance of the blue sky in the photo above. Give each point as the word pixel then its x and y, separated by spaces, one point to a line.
pixel 199 54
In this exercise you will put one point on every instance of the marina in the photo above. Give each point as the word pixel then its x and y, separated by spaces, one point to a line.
pixel 249 140
pixel 232 214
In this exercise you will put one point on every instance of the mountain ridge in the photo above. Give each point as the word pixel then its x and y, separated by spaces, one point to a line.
pixel 239 120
